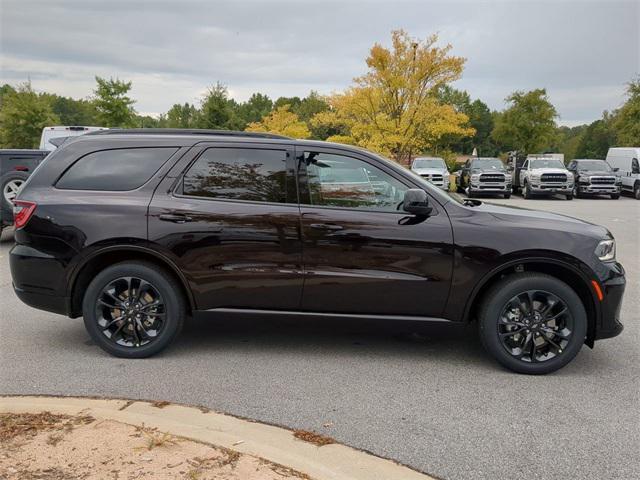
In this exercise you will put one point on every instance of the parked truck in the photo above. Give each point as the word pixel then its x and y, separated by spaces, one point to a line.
pixel 541 174
pixel 484 175
pixel 624 161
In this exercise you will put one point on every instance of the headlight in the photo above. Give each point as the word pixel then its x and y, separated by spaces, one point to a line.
pixel 507 177
pixel 535 177
pixel 606 250
pixel 618 180
pixel 475 177
pixel 583 179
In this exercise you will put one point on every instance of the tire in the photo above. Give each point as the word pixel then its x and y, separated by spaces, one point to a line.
pixel 469 193
pixel 569 197
pixel 507 196
pixel 576 191
pixel 8 183
pixel 495 303
pixel 526 193
pixel 167 320
pixel 636 191
pixel 615 196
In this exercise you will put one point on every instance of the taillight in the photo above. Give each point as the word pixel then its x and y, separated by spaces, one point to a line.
pixel 22 211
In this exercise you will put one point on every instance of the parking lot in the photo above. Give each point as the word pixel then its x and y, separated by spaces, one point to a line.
pixel 427 397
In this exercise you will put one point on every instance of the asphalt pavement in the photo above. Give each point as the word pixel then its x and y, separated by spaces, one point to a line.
pixel 427 397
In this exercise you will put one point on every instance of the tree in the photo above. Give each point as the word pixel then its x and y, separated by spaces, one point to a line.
pixel 115 108
pixel 528 124
pixel 182 116
pixel 627 119
pixel 283 122
pixel 255 108
pixel 393 108
pixel 23 115
pixel 71 111
pixel 596 139
pixel 218 111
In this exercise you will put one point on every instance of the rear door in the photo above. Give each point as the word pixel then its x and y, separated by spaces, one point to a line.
pixel 228 217
pixel 362 253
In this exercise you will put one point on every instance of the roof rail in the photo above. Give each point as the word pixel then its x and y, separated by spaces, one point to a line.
pixel 186 131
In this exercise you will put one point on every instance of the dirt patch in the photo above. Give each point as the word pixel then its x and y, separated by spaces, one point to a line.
pixel 313 437
pixel 57 447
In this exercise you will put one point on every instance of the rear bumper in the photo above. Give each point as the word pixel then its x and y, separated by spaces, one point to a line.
pixel 614 285
pixel 38 279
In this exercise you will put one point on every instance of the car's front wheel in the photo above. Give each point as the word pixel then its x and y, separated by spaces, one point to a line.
pixel 532 323
pixel 133 309
pixel 526 191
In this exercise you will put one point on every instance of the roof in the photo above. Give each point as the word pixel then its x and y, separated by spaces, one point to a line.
pixel 185 131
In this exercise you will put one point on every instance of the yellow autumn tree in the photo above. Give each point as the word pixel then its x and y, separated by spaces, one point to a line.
pixel 393 108
pixel 281 121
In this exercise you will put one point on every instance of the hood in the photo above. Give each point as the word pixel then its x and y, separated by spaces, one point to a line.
pixel 429 171
pixel 597 173
pixel 542 220
pixel 488 170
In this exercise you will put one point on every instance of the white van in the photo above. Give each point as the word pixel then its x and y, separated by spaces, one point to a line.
pixel 49 133
pixel 625 160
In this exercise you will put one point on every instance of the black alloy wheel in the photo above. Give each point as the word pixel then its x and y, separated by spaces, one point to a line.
pixel 133 309
pixel 532 323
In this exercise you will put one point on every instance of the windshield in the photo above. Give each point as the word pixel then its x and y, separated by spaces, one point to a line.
pixel 487 163
pixel 429 163
pixel 594 165
pixel 546 163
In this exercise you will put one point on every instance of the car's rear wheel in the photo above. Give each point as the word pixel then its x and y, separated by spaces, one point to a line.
pixel 526 192
pixel 133 309
pixel 532 323
pixel 636 191
pixel 10 185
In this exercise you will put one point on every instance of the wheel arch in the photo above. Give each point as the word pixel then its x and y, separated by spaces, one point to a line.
pixel 568 273
pixel 104 257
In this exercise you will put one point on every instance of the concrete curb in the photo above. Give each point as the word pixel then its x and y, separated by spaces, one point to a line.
pixel 278 445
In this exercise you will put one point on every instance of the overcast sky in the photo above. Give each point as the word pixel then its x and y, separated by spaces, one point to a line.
pixel 582 52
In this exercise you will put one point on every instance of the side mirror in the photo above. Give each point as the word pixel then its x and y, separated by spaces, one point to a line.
pixel 416 202
pixel 616 169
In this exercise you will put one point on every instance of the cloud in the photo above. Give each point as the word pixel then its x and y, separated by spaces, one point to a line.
pixel 582 52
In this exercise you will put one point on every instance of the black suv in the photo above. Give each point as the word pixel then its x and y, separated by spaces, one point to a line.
pixel 15 167
pixel 135 230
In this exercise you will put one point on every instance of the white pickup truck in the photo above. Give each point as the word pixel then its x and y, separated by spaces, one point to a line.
pixel 545 176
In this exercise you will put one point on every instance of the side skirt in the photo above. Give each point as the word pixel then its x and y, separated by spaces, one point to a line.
pixel 217 312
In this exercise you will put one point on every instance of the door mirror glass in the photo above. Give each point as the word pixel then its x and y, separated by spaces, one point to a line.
pixel 616 169
pixel 416 202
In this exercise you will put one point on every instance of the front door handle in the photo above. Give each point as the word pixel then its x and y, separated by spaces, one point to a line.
pixel 326 226
pixel 175 218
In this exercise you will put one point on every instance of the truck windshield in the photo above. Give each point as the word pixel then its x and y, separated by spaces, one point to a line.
pixel 546 163
pixel 429 163
pixel 487 163
pixel 594 165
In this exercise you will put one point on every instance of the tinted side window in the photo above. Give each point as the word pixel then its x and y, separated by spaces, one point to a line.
pixel 238 174
pixel 115 170
pixel 340 181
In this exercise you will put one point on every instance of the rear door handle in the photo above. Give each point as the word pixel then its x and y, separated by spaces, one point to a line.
pixel 326 226
pixel 175 218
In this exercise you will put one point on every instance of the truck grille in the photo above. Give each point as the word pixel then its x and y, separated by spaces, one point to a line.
pixel 491 177
pixel 553 177
pixel 602 180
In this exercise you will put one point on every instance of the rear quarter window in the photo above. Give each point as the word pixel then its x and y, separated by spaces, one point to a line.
pixel 115 170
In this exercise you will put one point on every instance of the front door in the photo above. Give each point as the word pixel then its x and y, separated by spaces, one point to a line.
pixel 362 253
pixel 231 224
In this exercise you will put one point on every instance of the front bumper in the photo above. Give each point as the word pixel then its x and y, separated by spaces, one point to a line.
pixel 551 188
pixel 490 187
pixel 613 291
pixel 598 189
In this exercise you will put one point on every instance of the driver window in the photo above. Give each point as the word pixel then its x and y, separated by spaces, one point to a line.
pixel 635 168
pixel 526 165
pixel 340 181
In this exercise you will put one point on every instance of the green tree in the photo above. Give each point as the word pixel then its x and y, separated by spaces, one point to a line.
pixel 255 108
pixel 71 111
pixel 23 115
pixel 627 119
pixel 182 116
pixel 218 111
pixel 596 139
pixel 528 124
pixel 114 106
